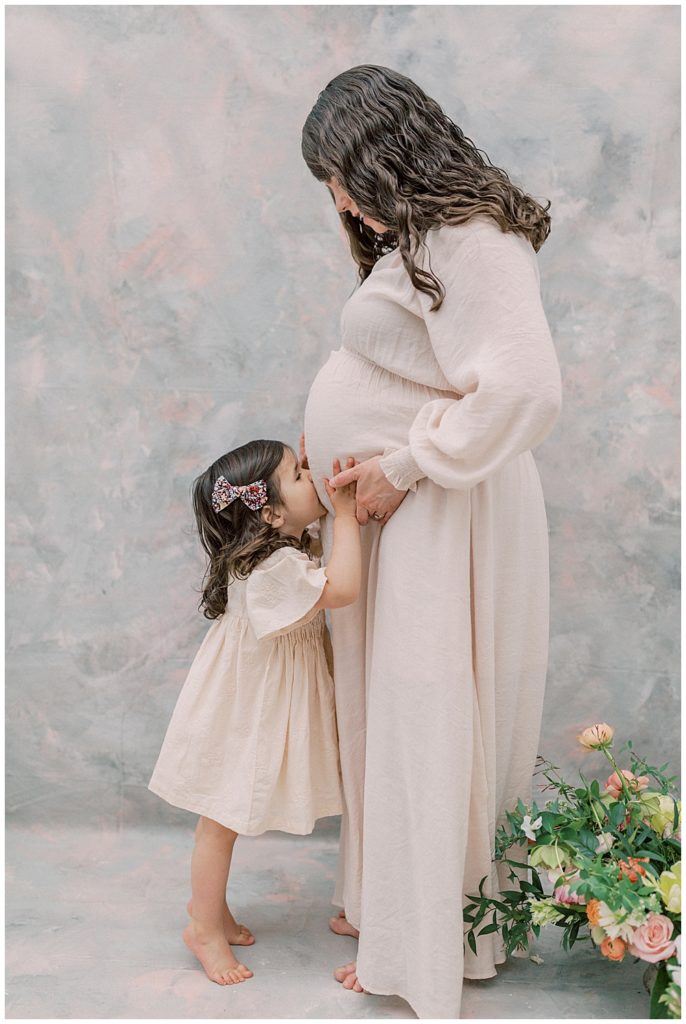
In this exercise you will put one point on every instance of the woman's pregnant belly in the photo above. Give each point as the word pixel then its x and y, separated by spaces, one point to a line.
pixel 358 408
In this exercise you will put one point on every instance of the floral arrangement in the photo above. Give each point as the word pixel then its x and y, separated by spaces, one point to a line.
pixel 613 859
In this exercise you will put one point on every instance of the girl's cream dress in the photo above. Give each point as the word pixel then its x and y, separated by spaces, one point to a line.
pixel 252 742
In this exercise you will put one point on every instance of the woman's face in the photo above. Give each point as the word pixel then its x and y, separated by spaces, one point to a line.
pixel 344 202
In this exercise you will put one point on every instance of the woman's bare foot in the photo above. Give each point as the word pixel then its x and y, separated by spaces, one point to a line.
pixel 341 926
pixel 347 975
pixel 236 934
pixel 214 953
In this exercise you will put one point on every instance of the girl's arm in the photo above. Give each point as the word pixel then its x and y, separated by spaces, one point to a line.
pixel 344 568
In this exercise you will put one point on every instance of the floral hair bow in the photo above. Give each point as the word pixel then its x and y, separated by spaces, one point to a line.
pixel 253 495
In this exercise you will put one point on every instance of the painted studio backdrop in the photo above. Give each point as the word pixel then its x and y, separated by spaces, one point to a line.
pixel 175 278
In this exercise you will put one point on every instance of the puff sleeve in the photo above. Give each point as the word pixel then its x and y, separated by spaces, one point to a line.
pixel 492 342
pixel 281 595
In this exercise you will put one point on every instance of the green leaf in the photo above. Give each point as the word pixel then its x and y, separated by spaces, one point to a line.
pixel 529 887
pixel 658 1010
pixel 617 813
pixel 493 927
pixel 481 914
pixel 573 932
pixel 472 942
pixel 588 840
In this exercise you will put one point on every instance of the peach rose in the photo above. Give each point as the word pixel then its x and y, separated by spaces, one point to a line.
pixel 653 940
pixel 596 736
pixel 613 949
pixel 592 910
pixel 635 783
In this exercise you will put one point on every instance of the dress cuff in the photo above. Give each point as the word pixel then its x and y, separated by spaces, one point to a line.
pixel 400 468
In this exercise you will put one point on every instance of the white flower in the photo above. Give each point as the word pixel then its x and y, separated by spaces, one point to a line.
pixel 675 969
pixel 671 997
pixel 605 841
pixel 529 827
pixel 620 924
pixel 543 912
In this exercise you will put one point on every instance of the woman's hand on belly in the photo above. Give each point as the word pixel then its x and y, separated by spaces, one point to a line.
pixel 375 493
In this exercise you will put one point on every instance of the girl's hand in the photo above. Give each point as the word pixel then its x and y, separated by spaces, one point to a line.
pixel 375 493
pixel 343 497
pixel 303 454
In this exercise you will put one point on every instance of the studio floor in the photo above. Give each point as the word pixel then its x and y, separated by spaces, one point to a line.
pixel 94 918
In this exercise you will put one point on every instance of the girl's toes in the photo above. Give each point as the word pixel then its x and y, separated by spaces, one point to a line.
pixel 341 973
pixel 247 938
pixel 244 971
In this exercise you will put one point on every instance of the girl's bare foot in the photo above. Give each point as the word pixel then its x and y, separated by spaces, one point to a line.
pixel 347 975
pixel 236 934
pixel 214 953
pixel 341 926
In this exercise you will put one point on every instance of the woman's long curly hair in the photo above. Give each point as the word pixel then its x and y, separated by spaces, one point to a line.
pixel 237 538
pixel 407 165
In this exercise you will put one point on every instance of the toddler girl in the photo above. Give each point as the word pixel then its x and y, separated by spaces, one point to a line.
pixel 252 742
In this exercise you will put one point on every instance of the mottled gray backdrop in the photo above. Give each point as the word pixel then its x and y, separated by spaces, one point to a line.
pixel 175 278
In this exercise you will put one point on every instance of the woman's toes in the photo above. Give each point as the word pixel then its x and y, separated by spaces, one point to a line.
pixel 341 926
pixel 246 937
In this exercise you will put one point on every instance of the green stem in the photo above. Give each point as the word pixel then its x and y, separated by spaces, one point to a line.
pixel 595 814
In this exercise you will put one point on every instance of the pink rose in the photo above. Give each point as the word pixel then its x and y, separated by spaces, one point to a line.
pixel 653 940
pixel 563 895
pixel 635 783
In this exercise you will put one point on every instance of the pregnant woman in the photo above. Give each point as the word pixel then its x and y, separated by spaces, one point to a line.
pixel 445 380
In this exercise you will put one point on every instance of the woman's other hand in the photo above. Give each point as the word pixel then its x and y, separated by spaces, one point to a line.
pixel 375 493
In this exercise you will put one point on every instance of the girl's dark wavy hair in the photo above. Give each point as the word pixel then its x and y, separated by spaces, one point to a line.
pixel 237 538
pixel 407 165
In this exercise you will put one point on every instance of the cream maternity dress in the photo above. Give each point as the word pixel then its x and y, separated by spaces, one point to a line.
pixel 252 741
pixel 440 665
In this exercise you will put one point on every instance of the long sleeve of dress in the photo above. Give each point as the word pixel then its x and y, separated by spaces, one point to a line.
pixel 492 342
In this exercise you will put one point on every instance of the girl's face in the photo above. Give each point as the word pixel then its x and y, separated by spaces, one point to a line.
pixel 344 202
pixel 301 501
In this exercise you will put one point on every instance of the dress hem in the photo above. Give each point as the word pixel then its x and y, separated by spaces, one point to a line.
pixel 200 808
